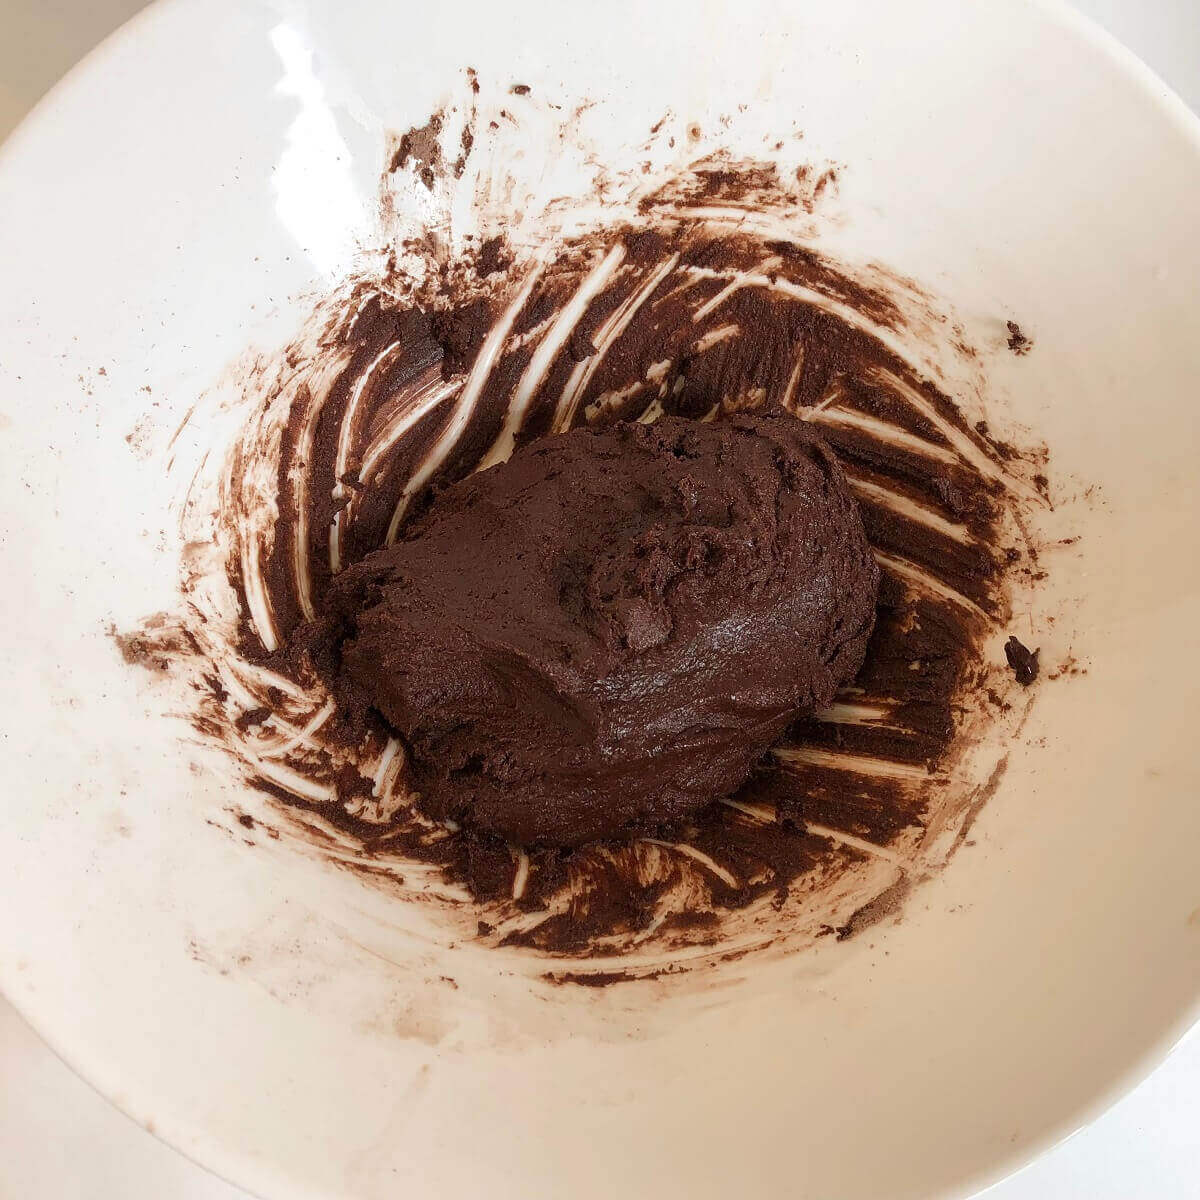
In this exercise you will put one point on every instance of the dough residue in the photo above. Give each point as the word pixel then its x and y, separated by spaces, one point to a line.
pixel 679 297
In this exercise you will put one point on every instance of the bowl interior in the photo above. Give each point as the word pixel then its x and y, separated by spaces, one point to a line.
pixel 179 199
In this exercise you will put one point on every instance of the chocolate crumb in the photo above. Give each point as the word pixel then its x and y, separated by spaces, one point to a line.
pixel 519 89
pixel 467 138
pixel 252 716
pixel 886 904
pixel 420 145
pixel 1018 343
pixel 491 257
pixel 245 820
pixel 1022 660
pixel 594 979
pixel 149 649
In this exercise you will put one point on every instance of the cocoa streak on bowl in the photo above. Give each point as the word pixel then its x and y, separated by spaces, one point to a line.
pixel 680 306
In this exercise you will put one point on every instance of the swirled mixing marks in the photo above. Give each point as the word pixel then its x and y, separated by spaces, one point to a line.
pixel 694 299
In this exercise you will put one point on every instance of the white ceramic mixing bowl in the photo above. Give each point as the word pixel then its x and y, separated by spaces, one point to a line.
pixel 171 203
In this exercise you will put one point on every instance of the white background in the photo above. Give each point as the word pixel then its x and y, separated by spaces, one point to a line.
pixel 59 1141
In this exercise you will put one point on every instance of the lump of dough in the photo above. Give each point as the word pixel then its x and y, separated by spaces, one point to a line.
pixel 604 633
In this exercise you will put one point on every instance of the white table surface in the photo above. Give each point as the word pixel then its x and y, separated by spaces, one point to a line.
pixel 60 1141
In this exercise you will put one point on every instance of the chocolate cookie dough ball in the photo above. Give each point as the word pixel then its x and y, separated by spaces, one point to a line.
pixel 607 631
